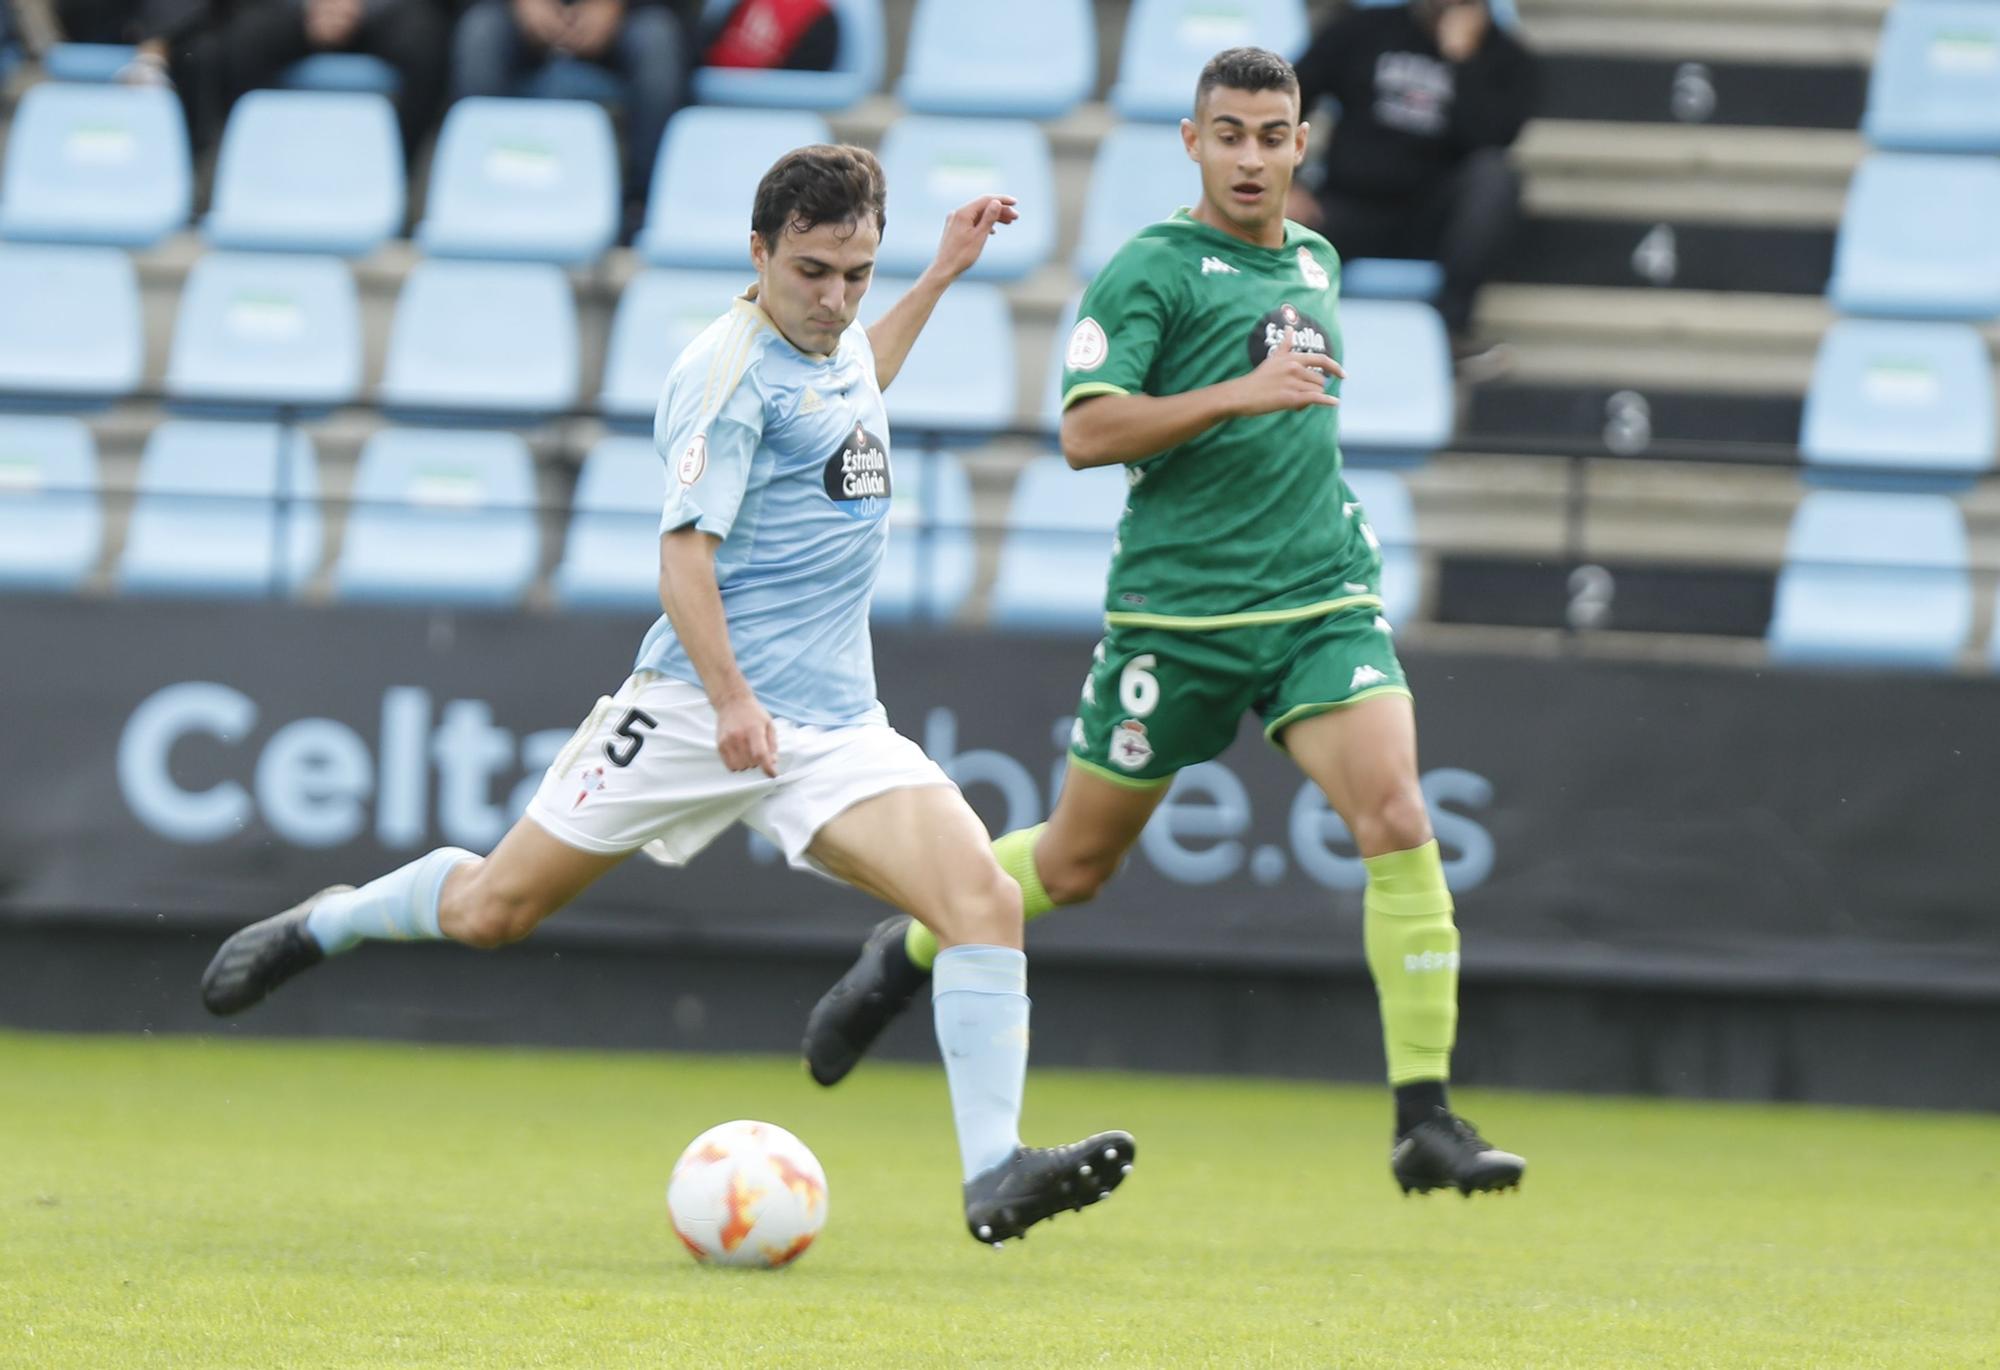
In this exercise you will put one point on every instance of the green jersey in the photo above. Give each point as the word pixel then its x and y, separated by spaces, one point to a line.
pixel 1247 522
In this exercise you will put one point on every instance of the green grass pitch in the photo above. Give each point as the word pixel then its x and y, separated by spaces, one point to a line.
pixel 210 1203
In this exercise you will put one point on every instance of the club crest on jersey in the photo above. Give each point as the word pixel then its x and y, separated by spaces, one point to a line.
pixel 694 460
pixel 857 475
pixel 1309 267
pixel 1130 748
pixel 1088 347
pixel 1308 333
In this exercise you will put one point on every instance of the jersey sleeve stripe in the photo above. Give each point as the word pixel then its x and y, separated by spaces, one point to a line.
pixel 727 365
pixel 1089 388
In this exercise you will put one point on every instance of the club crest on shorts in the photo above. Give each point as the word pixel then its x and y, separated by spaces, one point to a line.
pixel 1130 748
pixel 1088 347
pixel 590 782
pixel 1309 267
pixel 694 460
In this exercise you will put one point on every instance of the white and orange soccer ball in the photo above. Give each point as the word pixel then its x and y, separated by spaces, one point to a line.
pixel 747 1193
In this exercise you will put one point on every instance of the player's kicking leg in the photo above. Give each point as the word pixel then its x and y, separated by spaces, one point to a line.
pixel 1063 861
pixel 448 894
pixel 922 849
pixel 1364 757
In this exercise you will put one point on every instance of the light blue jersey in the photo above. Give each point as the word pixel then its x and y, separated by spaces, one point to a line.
pixel 785 457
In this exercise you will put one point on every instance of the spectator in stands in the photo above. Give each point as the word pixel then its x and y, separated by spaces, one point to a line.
pixel 215 51
pixel 1431 95
pixel 646 42
pixel 773 35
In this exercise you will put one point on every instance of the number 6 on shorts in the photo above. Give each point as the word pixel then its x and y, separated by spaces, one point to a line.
pixel 1138 687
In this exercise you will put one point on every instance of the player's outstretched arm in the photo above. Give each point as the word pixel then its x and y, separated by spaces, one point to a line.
pixel 1107 430
pixel 744 734
pixel 966 230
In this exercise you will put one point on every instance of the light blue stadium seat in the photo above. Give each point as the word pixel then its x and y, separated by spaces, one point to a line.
pixel 223 509
pixel 1917 239
pixel 1057 552
pixel 482 340
pixel 523 180
pixel 698 211
pixel 95 164
pixel 928 570
pixel 1873 580
pixel 1900 405
pixel 1935 86
pixel 1385 502
pixel 1140 175
pixel 440 517
pixel 305 171
pixel 262 330
pixel 71 331
pixel 1049 415
pixel 351 73
pixel 1026 59
pixel 51 528
pixel 1396 405
pixel 1167 42
pixel 611 558
pixel 659 314
pixel 87 62
pixel 958 380
pixel 1390 278
pixel 857 68
pixel 936 165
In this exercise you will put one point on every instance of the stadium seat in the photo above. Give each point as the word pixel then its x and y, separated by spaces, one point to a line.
pixel 482 340
pixel 1140 175
pixel 928 570
pixel 1917 238
pixel 263 331
pixel 1027 59
pixel 341 73
pixel 51 528
pixel 698 211
pixel 1057 552
pixel 611 558
pixel 936 165
pixel 523 180
pixel 1390 278
pixel 1049 415
pixel 71 331
pixel 1906 405
pixel 1873 580
pixel 1935 86
pixel 1167 42
pixel 223 509
pixel 87 62
pixel 95 164
pixel 1392 518
pixel 304 171
pixel 440 517
pixel 959 378
pixel 857 68
pixel 659 314
pixel 1396 405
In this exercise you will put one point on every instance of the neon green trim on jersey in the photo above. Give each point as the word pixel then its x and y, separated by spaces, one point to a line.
pixel 1130 782
pixel 1177 623
pixel 1086 389
pixel 1297 712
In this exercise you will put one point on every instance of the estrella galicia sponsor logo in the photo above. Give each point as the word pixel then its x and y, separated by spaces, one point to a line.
pixel 857 475
pixel 1308 333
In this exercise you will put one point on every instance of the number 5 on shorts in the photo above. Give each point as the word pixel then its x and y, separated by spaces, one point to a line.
pixel 1138 687
pixel 627 728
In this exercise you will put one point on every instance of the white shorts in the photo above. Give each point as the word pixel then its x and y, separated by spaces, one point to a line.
pixel 642 771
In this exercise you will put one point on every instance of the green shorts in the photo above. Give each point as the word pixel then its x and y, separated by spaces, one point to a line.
pixel 1160 699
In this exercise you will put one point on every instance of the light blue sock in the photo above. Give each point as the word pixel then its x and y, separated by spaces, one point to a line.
pixel 401 906
pixel 979 998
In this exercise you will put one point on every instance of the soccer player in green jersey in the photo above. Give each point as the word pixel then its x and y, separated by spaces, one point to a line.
pixel 1244 577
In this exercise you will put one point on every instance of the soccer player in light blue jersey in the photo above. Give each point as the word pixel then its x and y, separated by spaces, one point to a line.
pixel 753 697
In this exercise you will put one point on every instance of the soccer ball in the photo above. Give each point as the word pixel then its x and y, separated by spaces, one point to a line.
pixel 747 1193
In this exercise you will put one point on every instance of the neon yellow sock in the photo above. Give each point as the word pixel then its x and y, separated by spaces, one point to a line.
pixel 1413 955
pixel 1016 853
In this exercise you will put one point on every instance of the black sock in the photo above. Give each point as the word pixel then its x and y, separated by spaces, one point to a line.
pixel 1415 1101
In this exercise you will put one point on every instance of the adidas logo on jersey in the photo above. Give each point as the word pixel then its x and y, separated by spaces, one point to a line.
pixel 1211 266
pixel 811 403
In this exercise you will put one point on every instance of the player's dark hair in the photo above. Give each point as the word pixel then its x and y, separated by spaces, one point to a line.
pixel 1250 69
pixel 821 184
